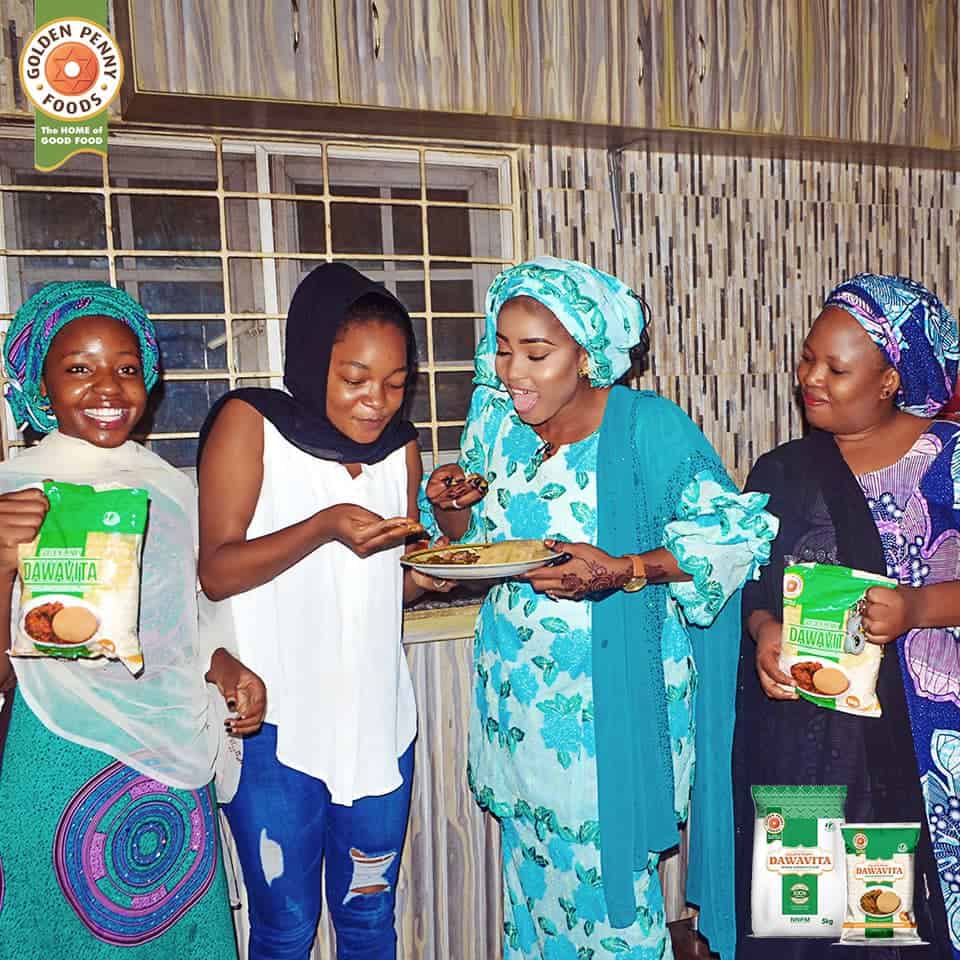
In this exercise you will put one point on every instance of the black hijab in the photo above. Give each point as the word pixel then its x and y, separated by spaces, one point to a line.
pixel 314 319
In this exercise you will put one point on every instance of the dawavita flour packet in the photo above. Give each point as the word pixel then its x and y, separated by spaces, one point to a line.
pixel 824 646
pixel 80 578
pixel 880 882
pixel 797 880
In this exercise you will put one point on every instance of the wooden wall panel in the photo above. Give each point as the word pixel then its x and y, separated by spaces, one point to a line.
pixel 933 94
pixel 736 65
pixel 452 55
pixel 594 62
pixel 278 51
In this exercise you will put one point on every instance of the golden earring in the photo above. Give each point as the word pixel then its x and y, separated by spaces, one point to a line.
pixel 583 370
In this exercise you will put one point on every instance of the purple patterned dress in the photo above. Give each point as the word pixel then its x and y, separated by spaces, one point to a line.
pixel 915 504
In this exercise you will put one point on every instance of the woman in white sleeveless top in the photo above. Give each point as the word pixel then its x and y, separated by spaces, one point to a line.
pixel 307 498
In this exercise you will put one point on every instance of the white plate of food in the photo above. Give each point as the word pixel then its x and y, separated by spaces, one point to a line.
pixel 480 561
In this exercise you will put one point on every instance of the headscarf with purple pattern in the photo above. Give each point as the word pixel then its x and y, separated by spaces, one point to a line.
pixel 915 331
pixel 42 317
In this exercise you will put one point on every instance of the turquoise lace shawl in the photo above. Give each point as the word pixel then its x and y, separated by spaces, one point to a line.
pixel 639 487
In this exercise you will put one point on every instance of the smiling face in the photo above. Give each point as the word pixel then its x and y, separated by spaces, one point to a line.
pixel 845 380
pixel 538 361
pixel 367 380
pixel 94 379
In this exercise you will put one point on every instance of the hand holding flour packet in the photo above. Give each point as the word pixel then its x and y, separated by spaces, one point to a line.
pixel 825 648
pixel 797 878
pixel 80 578
pixel 880 883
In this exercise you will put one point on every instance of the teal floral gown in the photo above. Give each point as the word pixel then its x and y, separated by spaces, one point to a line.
pixel 532 752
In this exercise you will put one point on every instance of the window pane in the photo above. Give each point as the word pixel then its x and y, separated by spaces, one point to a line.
pixel 177 406
pixel 243 224
pixel 146 222
pixel 465 232
pixel 366 172
pixel 420 333
pixel 16 166
pixel 356 227
pixel 454 338
pixel 26 275
pixel 448 439
pixel 460 287
pixel 159 167
pixel 173 284
pixel 489 183
pixel 453 395
pixel 293 174
pixel 192 344
pixel 257 345
pixel 246 285
pixel 300 226
pixel 54 221
pixel 419 403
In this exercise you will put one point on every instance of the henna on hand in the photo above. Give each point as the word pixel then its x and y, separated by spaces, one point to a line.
pixel 600 579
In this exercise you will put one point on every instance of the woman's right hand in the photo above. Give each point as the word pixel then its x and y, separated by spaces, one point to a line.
pixel 365 532
pixel 449 488
pixel 21 515
pixel 772 678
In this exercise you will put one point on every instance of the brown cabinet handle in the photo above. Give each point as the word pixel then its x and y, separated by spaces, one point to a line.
pixel 642 61
pixel 295 6
pixel 906 86
pixel 377 38
pixel 701 57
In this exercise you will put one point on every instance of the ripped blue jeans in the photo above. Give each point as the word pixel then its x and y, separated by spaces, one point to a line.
pixel 286 828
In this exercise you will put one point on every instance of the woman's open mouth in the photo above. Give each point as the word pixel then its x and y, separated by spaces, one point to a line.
pixel 524 400
pixel 107 418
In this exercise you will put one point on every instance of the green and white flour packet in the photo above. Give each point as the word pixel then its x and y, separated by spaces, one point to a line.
pixel 825 649
pixel 797 879
pixel 880 868
pixel 80 577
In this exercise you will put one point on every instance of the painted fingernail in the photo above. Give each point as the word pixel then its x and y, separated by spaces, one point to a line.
pixel 232 703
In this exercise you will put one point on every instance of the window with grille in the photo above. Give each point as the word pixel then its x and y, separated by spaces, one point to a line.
pixel 212 235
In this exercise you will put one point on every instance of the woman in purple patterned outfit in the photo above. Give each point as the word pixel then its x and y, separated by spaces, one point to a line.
pixel 874 485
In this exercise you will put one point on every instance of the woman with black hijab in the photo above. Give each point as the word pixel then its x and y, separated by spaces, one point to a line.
pixel 306 499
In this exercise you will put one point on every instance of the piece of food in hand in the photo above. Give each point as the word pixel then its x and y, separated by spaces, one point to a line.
pixel 478 483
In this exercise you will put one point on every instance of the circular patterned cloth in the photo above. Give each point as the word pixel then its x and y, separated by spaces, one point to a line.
pixel 132 855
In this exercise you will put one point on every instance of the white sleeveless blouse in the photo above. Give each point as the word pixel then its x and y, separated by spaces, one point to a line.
pixel 325 634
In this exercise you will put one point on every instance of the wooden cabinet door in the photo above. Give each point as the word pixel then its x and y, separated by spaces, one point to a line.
pixel 736 65
pixel 449 55
pixel 17 22
pixel 932 97
pixel 279 50
pixel 880 71
pixel 591 62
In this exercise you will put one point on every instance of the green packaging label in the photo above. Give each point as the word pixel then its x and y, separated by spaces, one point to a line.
pixel 825 648
pixel 797 880
pixel 80 577
pixel 880 872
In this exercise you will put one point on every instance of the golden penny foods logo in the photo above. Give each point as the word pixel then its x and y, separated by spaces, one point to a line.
pixel 71 69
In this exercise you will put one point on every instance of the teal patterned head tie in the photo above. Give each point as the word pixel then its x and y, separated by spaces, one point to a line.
pixel 599 311
pixel 42 317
